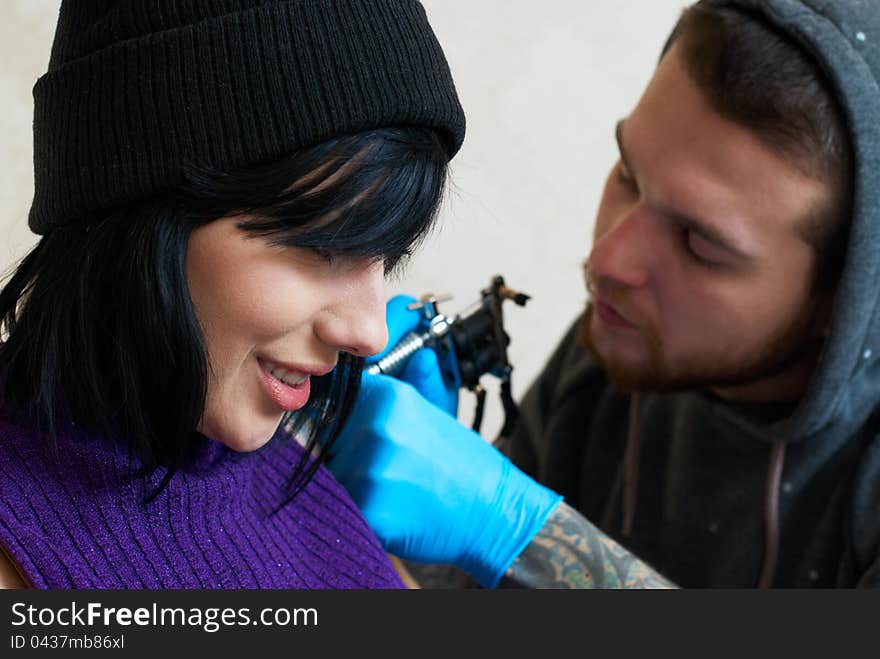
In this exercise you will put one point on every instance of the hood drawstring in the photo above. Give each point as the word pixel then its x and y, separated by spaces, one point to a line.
pixel 771 498
pixel 771 515
pixel 631 466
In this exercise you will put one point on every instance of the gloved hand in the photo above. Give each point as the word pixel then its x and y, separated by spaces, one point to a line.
pixel 438 383
pixel 432 490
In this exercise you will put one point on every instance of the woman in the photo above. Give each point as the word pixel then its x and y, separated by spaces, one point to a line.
pixel 220 189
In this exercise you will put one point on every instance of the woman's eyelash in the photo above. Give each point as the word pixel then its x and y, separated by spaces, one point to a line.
pixel 323 254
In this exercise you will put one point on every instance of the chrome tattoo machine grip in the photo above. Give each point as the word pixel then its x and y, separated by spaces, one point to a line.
pixel 438 329
pixel 474 339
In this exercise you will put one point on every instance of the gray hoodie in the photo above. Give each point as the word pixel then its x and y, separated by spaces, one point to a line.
pixel 714 496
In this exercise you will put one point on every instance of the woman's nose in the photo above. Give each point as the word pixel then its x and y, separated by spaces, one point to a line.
pixel 622 253
pixel 355 323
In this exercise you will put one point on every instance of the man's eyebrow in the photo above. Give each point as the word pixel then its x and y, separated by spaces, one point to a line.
pixel 618 135
pixel 702 229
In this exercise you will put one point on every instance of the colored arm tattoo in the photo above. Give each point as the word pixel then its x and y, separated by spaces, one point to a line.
pixel 569 552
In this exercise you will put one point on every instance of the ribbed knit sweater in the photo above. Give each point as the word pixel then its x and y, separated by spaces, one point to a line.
pixel 76 518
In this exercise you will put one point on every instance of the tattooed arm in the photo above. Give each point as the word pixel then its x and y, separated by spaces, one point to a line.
pixel 569 552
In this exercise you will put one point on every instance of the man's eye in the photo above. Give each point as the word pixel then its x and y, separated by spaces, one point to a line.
pixel 625 177
pixel 702 251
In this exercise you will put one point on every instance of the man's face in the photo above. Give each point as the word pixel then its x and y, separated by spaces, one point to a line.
pixel 699 275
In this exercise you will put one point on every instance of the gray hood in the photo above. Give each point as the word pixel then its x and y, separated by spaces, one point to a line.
pixel 844 38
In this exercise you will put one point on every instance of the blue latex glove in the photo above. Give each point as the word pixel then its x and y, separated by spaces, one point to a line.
pixel 432 490
pixel 439 384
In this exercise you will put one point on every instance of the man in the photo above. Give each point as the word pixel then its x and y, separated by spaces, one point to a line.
pixel 713 413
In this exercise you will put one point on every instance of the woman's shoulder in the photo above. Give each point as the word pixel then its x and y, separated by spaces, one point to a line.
pixel 9 576
pixel 19 478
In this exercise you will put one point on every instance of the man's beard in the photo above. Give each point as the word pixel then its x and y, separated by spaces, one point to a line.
pixel 779 352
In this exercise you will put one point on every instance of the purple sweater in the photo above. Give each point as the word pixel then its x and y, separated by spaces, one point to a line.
pixel 76 519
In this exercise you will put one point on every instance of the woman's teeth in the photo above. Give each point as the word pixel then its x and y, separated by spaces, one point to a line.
pixel 290 378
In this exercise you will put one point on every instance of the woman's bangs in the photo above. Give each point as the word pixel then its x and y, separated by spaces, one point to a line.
pixel 378 199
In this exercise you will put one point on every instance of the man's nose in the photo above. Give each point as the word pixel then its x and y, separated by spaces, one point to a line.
pixel 623 253
pixel 356 322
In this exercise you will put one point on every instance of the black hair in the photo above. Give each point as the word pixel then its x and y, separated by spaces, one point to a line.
pixel 101 333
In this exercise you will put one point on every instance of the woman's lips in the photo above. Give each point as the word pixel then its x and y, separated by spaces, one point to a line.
pixel 609 315
pixel 285 396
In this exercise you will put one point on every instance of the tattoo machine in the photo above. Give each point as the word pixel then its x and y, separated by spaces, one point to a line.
pixel 473 340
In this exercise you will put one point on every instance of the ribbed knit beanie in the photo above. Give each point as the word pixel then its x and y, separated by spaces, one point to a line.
pixel 138 88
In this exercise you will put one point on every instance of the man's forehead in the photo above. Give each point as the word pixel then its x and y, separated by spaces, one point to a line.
pixel 706 166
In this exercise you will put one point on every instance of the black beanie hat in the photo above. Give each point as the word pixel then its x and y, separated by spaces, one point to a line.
pixel 137 88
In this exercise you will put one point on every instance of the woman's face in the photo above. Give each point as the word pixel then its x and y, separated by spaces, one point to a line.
pixel 271 318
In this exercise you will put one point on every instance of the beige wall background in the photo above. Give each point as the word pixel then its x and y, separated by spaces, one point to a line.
pixel 543 84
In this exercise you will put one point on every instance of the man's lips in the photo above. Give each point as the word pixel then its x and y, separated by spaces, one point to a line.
pixel 610 316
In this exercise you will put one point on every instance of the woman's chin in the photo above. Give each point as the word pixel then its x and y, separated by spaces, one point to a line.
pixel 252 437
